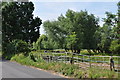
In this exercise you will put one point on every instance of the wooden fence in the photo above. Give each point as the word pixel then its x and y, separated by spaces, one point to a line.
pixel 74 58
pixel 77 57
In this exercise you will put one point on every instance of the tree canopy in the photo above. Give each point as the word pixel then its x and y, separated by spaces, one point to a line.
pixel 18 23
pixel 82 24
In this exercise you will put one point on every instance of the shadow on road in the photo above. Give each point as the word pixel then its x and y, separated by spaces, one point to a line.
pixel 3 60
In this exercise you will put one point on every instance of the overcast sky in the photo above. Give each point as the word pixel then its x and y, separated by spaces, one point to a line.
pixel 51 10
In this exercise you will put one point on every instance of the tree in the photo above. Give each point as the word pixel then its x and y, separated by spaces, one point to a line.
pixel 39 42
pixel 105 39
pixel 18 22
pixel 118 23
pixel 71 40
pixel 54 32
pixel 44 43
pixel 108 32
pixel 83 24
pixel 115 47
pixel 115 44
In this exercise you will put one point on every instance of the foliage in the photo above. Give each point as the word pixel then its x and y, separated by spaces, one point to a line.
pixel 54 33
pixel 22 26
pixel 71 40
pixel 82 24
pixel 18 23
pixel 15 47
pixel 115 46
pixel 22 59
pixel 45 43
pixel 107 33
pixel 105 39
pixel 118 23
pixel 21 46
pixel 39 42
pixel 88 34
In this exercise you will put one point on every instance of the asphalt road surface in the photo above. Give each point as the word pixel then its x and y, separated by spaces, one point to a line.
pixel 15 70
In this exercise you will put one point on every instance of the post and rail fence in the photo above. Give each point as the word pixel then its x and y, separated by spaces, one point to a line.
pixel 75 58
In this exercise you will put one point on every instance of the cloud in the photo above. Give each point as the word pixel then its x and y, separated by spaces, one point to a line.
pixel 51 10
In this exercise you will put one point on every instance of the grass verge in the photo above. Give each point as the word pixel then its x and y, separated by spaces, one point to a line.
pixel 65 69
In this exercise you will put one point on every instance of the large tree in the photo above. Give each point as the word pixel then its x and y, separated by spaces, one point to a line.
pixel 55 32
pixel 110 32
pixel 118 24
pixel 76 29
pixel 18 23
pixel 115 44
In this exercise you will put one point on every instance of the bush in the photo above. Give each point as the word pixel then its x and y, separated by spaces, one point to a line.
pixel 14 47
pixel 9 51
pixel 21 46
pixel 22 59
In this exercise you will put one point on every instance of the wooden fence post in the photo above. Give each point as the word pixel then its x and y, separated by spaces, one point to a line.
pixel 82 58
pixel 65 57
pixel 90 61
pixel 78 58
pixel 49 57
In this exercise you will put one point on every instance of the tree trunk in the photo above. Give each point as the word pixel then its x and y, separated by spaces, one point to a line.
pixel 89 51
pixel 75 51
pixel 94 51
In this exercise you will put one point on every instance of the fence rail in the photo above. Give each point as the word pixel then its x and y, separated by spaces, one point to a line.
pixel 79 57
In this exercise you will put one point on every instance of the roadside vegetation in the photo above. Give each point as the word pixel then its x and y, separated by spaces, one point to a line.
pixel 66 69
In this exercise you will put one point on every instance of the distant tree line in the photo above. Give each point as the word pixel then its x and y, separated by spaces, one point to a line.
pixel 79 30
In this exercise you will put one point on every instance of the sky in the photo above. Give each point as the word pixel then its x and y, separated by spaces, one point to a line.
pixel 50 10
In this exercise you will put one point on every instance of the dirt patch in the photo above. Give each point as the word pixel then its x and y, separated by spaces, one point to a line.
pixel 85 65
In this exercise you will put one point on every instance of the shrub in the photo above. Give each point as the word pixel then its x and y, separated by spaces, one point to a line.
pixel 14 47
pixel 9 51
pixel 22 59
pixel 21 46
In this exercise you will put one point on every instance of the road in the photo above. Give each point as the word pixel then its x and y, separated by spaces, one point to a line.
pixel 15 70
